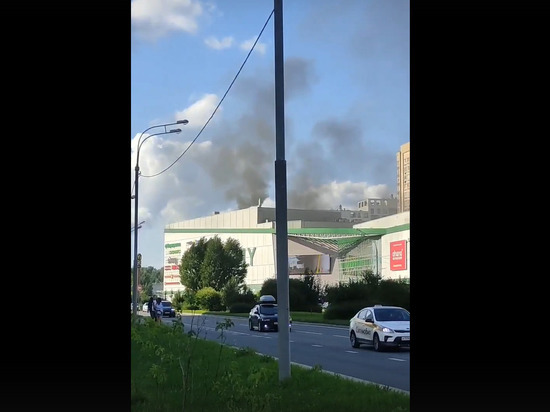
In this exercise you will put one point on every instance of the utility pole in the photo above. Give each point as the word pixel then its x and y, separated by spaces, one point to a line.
pixel 281 221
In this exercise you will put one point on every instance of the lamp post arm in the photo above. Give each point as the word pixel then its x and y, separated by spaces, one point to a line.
pixel 144 140
pixel 160 125
pixel 184 122
pixel 135 278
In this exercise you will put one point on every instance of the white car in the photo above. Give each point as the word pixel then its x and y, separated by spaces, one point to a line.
pixel 145 307
pixel 381 327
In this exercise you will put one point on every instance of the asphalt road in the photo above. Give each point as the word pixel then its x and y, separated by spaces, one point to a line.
pixel 313 345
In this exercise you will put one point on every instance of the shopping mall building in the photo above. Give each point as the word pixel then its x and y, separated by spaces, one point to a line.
pixel 329 242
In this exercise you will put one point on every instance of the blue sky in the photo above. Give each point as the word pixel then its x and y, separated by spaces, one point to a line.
pixel 347 101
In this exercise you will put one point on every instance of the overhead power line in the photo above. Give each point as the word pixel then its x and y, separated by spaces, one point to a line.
pixel 219 104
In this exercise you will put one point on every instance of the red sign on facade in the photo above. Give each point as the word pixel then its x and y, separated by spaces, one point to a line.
pixel 398 255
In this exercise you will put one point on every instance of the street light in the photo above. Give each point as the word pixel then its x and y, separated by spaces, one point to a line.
pixel 281 216
pixel 136 224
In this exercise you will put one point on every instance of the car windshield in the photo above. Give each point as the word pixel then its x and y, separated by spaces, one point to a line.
pixel 166 304
pixel 388 315
pixel 268 309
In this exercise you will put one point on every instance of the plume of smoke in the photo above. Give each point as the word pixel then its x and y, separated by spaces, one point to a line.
pixel 241 161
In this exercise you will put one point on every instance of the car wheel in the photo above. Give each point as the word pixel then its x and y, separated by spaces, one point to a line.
pixel 250 325
pixel 376 343
pixel 259 326
pixel 353 340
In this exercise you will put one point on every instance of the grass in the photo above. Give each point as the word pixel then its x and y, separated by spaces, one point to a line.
pixel 173 369
pixel 310 317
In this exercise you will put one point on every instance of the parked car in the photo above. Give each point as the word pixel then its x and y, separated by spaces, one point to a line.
pixel 167 309
pixel 145 307
pixel 264 315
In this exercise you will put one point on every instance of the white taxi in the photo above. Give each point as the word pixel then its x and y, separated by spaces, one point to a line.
pixel 381 327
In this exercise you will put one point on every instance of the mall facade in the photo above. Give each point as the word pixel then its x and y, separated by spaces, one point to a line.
pixel 328 242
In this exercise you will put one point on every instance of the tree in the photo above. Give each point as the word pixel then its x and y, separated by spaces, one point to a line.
pixel 370 278
pixel 269 287
pixel 234 261
pixel 148 276
pixel 212 269
pixel 177 300
pixel 236 292
pixel 190 267
pixel 314 289
pixel 303 294
pixel 306 292
pixel 212 263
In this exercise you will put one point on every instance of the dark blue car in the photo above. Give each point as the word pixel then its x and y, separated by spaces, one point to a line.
pixel 167 309
pixel 264 315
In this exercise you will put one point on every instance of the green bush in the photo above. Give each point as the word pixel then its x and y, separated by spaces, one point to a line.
pixel 343 310
pixel 247 297
pixel 349 291
pixel 209 299
pixel 240 307
pixel 316 308
pixel 303 293
pixel 345 298
pixel 190 306
pixel 178 300
pixel 232 293
pixel 269 287
pixel 189 298
pixel 394 292
pixel 301 296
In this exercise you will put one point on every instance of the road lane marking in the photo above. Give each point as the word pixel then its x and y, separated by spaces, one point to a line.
pixel 318 346
pixel 324 326
pixel 341 336
pixel 351 351
pixel 398 360
pixel 311 333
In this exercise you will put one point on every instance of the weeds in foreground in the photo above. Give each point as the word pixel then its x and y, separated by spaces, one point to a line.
pixel 175 370
pixel 184 360
pixel 239 390
pixel 186 350
pixel 221 327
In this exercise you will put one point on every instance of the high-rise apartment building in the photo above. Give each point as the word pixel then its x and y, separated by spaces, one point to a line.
pixel 403 158
pixel 378 208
